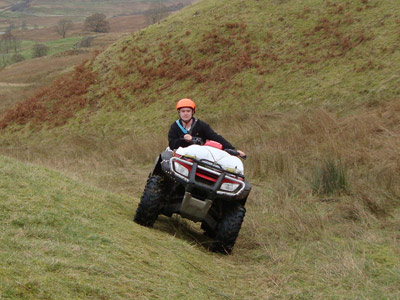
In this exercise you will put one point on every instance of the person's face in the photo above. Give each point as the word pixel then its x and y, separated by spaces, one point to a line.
pixel 186 113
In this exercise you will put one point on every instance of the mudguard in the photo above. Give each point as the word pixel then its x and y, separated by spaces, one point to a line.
pixel 161 162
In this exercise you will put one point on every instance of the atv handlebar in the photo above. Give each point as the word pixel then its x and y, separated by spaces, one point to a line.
pixel 199 141
pixel 195 141
pixel 235 153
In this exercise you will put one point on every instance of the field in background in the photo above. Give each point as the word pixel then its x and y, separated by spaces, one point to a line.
pixel 45 14
pixel 16 84
pixel 36 21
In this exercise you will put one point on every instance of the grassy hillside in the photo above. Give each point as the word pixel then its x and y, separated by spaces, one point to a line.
pixel 309 89
pixel 65 240
pixel 62 239
pixel 243 57
pixel 294 75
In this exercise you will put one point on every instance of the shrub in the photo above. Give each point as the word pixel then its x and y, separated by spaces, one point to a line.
pixel 63 26
pixel 18 57
pixel 85 42
pixel 39 50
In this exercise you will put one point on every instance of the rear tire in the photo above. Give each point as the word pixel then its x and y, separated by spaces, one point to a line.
pixel 228 230
pixel 149 205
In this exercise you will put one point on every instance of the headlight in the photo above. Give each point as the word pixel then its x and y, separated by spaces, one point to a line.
pixel 181 169
pixel 230 187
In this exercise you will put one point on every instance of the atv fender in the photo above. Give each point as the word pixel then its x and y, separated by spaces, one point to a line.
pixel 161 163
pixel 156 170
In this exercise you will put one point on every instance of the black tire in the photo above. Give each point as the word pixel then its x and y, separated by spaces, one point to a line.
pixel 149 206
pixel 228 230
pixel 208 231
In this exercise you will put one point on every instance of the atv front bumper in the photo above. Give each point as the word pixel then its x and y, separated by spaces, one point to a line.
pixel 213 183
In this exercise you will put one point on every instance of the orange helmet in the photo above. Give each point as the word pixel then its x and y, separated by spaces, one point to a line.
pixel 186 103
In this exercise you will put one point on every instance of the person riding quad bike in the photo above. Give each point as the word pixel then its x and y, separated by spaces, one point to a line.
pixel 199 177
pixel 184 131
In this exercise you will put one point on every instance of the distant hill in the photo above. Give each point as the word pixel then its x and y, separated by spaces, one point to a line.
pixel 236 56
pixel 72 8
pixel 36 23
pixel 44 13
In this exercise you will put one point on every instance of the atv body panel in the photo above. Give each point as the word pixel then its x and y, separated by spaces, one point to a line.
pixel 203 184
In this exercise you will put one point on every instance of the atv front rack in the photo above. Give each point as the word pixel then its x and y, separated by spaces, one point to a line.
pixel 214 180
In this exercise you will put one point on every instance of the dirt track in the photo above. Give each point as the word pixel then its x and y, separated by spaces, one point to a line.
pixel 6 84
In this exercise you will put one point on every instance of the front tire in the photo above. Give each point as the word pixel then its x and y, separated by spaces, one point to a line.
pixel 149 205
pixel 208 231
pixel 228 230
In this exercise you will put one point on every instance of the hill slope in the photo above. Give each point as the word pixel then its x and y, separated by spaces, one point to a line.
pixel 235 56
pixel 61 239
pixel 309 89
pixel 293 83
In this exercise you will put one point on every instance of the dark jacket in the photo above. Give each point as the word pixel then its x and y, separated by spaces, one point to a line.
pixel 200 129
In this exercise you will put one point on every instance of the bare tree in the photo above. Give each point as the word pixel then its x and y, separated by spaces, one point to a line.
pixel 9 42
pixel 156 12
pixel 63 26
pixel 24 25
pixel 97 23
pixel 4 60
pixel 10 27
pixel 5 42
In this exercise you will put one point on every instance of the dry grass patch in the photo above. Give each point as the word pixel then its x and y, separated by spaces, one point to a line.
pixel 17 85
pixel 43 69
pixel 325 154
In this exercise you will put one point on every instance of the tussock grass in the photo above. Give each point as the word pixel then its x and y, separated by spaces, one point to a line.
pixel 329 178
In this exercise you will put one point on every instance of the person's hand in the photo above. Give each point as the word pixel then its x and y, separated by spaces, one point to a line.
pixel 241 153
pixel 187 137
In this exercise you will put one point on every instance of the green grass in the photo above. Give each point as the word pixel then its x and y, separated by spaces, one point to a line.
pixel 61 45
pixel 314 105
pixel 63 239
pixel 55 47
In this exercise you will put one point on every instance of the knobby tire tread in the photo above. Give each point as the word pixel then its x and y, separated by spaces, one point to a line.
pixel 149 205
pixel 228 230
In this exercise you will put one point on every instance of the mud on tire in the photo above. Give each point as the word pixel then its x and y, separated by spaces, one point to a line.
pixel 149 205
pixel 228 230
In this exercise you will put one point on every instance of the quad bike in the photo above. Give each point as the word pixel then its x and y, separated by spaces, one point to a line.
pixel 202 183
